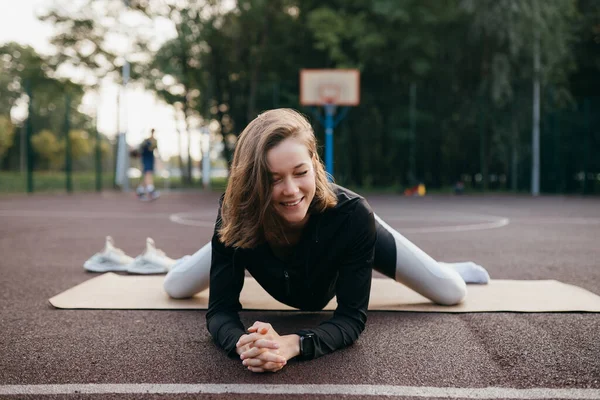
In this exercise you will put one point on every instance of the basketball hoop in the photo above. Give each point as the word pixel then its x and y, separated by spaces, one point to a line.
pixel 335 87
pixel 330 88
pixel 329 93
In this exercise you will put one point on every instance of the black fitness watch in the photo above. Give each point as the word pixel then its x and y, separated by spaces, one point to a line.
pixel 307 346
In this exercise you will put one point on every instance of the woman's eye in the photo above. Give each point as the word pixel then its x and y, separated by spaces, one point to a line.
pixel 302 173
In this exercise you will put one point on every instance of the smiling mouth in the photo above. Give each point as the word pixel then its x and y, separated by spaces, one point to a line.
pixel 292 203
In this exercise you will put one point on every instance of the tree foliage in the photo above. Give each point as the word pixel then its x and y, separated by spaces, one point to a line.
pixel 7 133
pixel 50 152
pixel 471 62
pixel 47 148
pixel 24 71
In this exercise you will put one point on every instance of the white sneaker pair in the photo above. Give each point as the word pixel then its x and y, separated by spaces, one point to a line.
pixel 147 195
pixel 151 261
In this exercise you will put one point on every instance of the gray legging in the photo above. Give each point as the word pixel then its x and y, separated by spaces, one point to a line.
pixel 395 257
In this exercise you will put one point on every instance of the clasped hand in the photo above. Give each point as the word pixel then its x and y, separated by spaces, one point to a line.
pixel 263 349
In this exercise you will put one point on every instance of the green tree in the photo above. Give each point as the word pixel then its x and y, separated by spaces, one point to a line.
pixel 174 71
pixel 471 63
pixel 50 151
pixel 47 149
pixel 7 133
pixel 98 37
pixel 514 33
pixel 81 146
pixel 21 66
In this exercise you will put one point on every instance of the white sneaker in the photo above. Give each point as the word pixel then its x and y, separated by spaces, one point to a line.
pixel 151 196
pixel 140 191
pixel 151 261
pixel 110 259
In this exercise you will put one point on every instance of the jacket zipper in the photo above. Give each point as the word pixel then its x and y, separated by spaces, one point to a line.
pixel 233 263
pixel 287 283
pixel 308 255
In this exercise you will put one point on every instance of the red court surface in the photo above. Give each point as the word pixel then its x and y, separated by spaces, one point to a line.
pixel 51 353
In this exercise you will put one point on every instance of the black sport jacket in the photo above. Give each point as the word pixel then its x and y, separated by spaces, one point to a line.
pixel 334 257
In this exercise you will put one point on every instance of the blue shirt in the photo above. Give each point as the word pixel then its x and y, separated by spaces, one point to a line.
pixel 147 149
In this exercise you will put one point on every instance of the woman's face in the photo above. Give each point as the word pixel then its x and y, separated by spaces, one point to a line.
pixel 293 178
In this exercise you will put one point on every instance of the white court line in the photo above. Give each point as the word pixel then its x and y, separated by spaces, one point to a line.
pixel 560 220
pixel 179 218
pixel 348 390
pixel 197 219
pixel 194 219
pixel 189 219
pixel 79 214
pixel 460 228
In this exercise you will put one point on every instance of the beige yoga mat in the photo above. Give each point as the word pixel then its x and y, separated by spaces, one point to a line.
pixel 112 291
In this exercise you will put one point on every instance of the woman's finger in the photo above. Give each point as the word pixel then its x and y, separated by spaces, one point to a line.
pixel 247 339
pixel 269 356
pixel 242 341
pixel 253 352
pixel 260 327
pixel 266 344
pixel 267 366
pixel 272 367
pixel 258 340
pixel 253 362
pixel 259 323
pixel 263 329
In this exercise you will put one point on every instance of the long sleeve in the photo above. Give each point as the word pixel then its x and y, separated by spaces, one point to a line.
pixel 352 288
pixel 226 282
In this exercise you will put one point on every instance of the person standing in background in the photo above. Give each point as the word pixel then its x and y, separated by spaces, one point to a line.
pixel 146 190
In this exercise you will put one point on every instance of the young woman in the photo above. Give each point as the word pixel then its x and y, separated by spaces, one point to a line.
pixel 304 240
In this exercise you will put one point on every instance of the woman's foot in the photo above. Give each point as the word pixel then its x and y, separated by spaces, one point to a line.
pixel 469 271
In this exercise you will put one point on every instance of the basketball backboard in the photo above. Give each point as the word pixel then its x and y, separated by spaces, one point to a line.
pixel 329 86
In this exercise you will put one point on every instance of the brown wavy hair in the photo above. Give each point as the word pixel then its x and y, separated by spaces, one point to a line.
pixel 247 215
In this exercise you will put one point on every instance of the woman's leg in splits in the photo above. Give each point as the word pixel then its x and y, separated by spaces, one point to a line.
pixel 395 257
pixel 190 275
pixel 399 259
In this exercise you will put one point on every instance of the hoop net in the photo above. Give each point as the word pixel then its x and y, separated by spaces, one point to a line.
pixel 329 93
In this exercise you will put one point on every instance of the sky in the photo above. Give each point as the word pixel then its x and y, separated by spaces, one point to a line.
pixel 144 111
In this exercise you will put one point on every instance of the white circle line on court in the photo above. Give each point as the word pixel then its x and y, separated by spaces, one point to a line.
pixel 560 220
pixel 188 219
pixel 193 219
pixel 460 228
pixel 309 389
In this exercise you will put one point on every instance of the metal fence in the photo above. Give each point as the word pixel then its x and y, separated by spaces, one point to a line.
pixel 433 139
